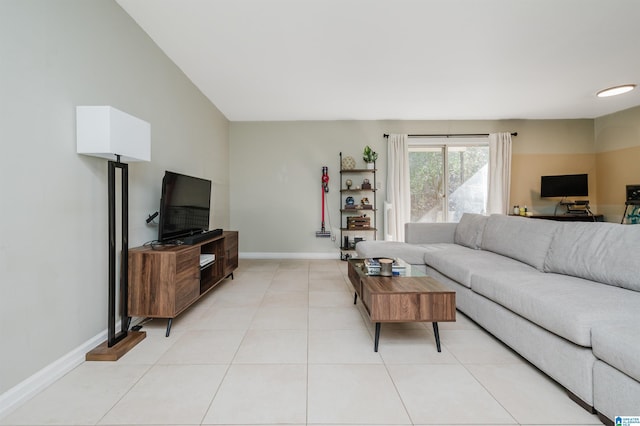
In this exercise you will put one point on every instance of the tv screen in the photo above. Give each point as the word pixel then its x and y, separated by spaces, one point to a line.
pixel 184 206
pixel 564 186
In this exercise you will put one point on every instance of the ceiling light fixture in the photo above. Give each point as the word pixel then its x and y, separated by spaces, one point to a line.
pixel 617 90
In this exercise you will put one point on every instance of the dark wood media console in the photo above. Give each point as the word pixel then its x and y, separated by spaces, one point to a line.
pixel 165 280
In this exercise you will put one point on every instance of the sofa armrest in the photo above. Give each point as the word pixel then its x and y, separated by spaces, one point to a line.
pixel 428 233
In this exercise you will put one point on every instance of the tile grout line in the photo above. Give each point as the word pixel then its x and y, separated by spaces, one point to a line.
pixel 226 372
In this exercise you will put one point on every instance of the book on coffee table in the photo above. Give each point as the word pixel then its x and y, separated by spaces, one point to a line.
pixel 373 265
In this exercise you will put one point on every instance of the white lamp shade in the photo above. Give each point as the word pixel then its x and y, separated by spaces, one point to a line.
pixel 103 131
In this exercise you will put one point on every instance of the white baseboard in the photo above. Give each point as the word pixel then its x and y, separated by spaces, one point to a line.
pixel 272 255
pixel 27 389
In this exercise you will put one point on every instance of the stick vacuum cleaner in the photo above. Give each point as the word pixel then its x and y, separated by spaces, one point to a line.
pixel 325 188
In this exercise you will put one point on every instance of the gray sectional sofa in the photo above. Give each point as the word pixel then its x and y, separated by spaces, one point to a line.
pixel 564 295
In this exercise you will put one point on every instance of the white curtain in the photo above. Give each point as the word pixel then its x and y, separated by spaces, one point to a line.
pixel 499 173
pixel 398 192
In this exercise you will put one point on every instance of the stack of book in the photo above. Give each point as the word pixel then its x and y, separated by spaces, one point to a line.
pixel 372 264
pixel 358 222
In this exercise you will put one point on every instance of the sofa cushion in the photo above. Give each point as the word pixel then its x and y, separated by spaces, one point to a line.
pixel 428 233
pixel 603 252
pixel 524 239
pixel 460 263
pixel 567 306
pixel 410 253
pixel 469 231
pixel 618 345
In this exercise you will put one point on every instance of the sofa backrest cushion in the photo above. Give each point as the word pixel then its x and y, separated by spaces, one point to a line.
pixel 469 231
pixel 602 252
pixel 428 233
pixel 520 238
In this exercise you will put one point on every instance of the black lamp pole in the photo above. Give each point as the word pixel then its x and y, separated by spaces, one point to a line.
pixel 112 336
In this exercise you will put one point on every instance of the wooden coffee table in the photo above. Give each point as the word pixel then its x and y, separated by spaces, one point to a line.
pixel 411 297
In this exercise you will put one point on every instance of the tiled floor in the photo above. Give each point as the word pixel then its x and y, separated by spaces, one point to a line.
pixel 284 344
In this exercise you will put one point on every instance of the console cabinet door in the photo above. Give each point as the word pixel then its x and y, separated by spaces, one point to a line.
pixel 163 282
pixel 187 277
pixel 150 275
pixel 230 252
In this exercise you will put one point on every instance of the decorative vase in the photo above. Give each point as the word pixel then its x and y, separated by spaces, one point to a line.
pixel 348 163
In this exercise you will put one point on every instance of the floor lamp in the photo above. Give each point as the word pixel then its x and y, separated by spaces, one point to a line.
pixel 103 131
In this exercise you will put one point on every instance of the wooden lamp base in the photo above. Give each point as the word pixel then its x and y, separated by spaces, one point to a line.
pixel 105 353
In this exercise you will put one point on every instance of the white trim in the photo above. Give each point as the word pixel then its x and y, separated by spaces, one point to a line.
pixel 273 255
pixel 31 386
pixel 28 388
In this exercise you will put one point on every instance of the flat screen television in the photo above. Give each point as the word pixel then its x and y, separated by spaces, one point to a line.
pixel 564 186
pixel 184 206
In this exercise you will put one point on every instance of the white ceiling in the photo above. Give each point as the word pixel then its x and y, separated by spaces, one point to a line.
pixel 269 60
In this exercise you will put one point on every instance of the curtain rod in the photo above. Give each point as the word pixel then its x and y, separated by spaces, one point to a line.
pixel 452 135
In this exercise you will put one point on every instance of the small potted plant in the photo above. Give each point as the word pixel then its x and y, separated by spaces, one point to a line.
pixel 369 156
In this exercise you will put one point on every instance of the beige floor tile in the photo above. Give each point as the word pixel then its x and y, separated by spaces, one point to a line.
pixel 529 395
pixel 204 347
pixel 264 265
pixel 261 394
pixel 252 278
pixel 236 299
pixel 273 347
pixel 168 394
pixel 335 284
pixel 294 265
pixel 290 299
pixel 295 275
pixel 477 347
pixel 325 265
pixel 325 274
pixel 242 284
pixel 403 332
pixel 330 299
pixel 462 322
pixel 159 326
pixel 341 347
pixel 154 345
pixel 353 394
pixel 219 318
pixel 275 318
pixel 411 346
pixel 285 286
pixel 340 318
pixel 82 397
pixel 446 394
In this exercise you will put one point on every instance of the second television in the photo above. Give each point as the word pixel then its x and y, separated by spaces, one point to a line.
pixel 184 206
pixel 564 186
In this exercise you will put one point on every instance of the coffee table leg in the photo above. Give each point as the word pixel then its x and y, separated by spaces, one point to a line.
pixel 435 331
pixel 355 298
pixel 377 338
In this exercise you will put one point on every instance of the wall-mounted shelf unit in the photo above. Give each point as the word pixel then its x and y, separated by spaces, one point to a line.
pixel 357 219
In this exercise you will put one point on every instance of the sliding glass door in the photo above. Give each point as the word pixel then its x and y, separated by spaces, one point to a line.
pixel 447 179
